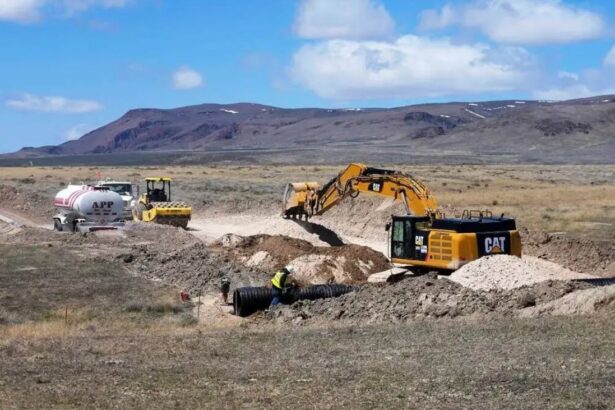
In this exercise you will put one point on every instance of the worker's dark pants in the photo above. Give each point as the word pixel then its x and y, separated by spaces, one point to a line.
pixel 277 296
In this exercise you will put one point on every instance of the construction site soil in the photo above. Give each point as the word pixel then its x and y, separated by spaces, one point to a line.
pixel 420 298
pixel 30 203
pixel 347 264
pixel 196 260
pixel 581 255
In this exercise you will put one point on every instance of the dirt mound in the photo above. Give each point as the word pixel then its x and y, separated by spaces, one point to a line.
pixel 22 201
pixel 581 255
pixel 174 256
pixel 577 303
pixel 423 297
pixel 510 272
pixel 349 264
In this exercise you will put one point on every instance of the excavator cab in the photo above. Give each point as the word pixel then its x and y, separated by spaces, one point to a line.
pixel 409 237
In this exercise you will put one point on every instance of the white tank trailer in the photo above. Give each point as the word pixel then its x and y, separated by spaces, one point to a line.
pixel 87 208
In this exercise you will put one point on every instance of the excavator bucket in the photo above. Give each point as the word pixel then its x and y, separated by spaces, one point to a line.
pixel 296 198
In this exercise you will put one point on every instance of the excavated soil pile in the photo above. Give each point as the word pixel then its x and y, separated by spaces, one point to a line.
pixel 348 264
pixel 510 272
pixel 174 256
pixel 581 255
pixel 420 298
pixel 577 303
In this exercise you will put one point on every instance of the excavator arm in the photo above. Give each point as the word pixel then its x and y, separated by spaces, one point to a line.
pixel 309 198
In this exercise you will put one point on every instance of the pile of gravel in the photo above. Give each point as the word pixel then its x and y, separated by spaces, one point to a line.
pixel 510 272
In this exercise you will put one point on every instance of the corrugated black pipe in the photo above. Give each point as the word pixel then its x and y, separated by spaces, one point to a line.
pixel 251 299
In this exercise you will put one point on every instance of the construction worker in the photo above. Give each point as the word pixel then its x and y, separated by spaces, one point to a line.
pixel 279 284
pixel 225 287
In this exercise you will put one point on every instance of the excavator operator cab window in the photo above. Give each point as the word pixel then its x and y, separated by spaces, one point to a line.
pixel 397 240
pixel 403 244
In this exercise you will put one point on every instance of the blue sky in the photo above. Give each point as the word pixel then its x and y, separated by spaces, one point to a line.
pixel 69 66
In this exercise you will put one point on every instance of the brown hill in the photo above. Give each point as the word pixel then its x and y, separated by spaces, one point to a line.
pixel 580 130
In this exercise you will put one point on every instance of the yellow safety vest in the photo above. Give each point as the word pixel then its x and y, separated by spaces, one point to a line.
pixel 279 279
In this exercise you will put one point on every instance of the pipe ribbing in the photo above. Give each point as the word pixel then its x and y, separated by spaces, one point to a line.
pixel 248 300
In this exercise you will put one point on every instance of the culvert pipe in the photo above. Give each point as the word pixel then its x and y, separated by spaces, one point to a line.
pixel 249 300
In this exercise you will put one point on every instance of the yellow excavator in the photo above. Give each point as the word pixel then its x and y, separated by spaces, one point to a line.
pixel 424 237
pixel 156 205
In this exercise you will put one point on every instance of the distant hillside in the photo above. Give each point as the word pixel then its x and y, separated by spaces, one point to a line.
pixel 570 131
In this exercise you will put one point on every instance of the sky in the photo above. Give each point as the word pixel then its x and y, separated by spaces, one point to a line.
pixel 70 66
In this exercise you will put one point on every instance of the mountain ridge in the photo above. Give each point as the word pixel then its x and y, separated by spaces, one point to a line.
pixel 575 128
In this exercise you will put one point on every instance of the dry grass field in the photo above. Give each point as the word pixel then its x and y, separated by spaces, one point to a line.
pixel 574 199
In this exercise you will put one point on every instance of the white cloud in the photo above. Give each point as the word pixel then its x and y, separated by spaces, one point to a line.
pixel 185 78
pixel 20 11
pixel 571 92
pixel 437 19
pixel 521 21
pixel 76 132
pixel 609 60
pixel 410 67
pixel 29 102
pixel 566 75
pixel 72 7
pixel 343 19
pixel 29 11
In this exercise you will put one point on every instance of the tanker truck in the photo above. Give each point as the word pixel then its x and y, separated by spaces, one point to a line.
pixel 87 208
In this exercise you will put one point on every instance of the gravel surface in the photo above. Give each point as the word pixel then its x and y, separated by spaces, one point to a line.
pixel 510 272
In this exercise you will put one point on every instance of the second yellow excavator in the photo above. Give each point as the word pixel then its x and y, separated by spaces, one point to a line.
pixel 424 237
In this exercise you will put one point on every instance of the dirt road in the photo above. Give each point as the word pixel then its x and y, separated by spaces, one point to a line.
pixel 18 220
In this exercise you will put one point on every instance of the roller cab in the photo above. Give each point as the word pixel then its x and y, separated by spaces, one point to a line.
pixel 156 205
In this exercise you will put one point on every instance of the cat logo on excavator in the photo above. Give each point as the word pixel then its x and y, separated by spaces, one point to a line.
pixel 495 245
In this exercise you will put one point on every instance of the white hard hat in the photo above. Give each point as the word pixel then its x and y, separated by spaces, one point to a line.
pixel 289 268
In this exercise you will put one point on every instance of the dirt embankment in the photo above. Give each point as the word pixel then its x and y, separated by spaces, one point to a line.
pixel 502 285
pixel 30 204
pixel 426 297
pixel 581 255
pixel 174 256
pixel 349 264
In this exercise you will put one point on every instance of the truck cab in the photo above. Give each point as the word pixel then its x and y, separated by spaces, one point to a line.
pixel 126 190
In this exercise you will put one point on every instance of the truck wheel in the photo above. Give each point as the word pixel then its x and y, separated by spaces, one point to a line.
pixel 57 225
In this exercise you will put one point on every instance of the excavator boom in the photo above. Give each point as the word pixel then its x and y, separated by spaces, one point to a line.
pixel 309 198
